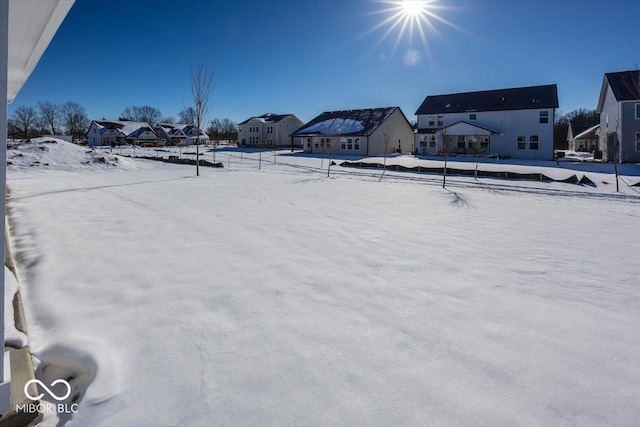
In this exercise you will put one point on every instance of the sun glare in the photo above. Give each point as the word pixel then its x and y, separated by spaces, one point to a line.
pixel 413 7
pixel 409 19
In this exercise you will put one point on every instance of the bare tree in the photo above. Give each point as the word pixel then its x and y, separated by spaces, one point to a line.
pixel 144 113
pixel 385 144
pixel 74 118
pixel 49 115
pixel 187 116
pixel 445 150
pixel 201 89
pixel 25 119
pixel 168 119
pixel 330 149
pixel 229 127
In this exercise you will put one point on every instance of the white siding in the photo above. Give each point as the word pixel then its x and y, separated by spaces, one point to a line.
pixel 609 122
pixel 508 124
pixel 400 135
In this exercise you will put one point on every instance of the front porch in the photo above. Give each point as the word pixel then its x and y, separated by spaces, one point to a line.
pixel 458 138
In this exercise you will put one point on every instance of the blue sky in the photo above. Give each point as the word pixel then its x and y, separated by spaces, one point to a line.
pixel 305 57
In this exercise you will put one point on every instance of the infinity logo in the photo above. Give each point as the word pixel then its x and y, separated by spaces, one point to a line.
pixel 52 394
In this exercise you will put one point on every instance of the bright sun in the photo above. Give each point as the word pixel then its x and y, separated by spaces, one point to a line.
pixel 408 18
pixel 413 7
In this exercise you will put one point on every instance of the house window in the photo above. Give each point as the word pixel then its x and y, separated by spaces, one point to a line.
pixel 356 145
pixel 637 141
pixel 637 111
pixel 484 143
pixel 533 142
pixel 544 117
pixel 343 145
pixel 316 145
pixel 308 145
pixel 440 120
pixel 522 142
pixel 432 121
pixel 472 116
pixel 350 143
pixel 432 142
pixel 461 141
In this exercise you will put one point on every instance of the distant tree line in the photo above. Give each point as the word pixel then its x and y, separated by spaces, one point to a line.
pixel 69 118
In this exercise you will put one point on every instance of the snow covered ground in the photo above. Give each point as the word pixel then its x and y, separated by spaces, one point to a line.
pixel 282 297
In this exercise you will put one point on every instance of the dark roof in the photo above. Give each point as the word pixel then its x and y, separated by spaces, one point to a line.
pixel 347 122
pixel 625 84
pixel 268 118
pixel 522 98
pixel 579 126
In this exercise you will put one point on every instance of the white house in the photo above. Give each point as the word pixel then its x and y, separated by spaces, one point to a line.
pixel 619 108
pixel 515 122
pixel 269 130
pixel 365 132
pixel 180 134
pixel 107 132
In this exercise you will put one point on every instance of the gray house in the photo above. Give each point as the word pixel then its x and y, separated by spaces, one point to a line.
pixel 512 122
pixel 619 108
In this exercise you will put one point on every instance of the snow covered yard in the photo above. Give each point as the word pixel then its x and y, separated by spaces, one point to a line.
pixel 281 297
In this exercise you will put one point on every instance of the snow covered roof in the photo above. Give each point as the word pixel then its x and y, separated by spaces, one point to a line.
pixel 522 98
pixel 346 122
pixel 179 129
pixel 126 127
pixel 267 118
pixel 32 25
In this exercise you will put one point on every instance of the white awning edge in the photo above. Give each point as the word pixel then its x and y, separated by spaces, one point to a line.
pixel 32 25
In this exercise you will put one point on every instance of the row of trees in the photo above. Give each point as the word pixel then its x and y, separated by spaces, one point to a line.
pixel 55 119
pixel 70 118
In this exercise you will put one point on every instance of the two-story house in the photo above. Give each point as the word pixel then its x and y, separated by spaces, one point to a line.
pixel 514 122
pixel 269 130
pixel 619 108
pixel 365 132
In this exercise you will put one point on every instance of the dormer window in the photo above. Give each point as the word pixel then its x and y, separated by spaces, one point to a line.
pixel 472 116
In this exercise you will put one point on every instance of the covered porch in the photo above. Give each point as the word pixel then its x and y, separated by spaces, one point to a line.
pixel 458 138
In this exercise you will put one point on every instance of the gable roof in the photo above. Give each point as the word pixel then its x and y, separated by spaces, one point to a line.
pixel 267 118
pixel 625 84
pixel 347 122
pixel 126 127
pixel 179 129
pixel 579 126
pixel 483 130
pixel 522 98
pixel 590 133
